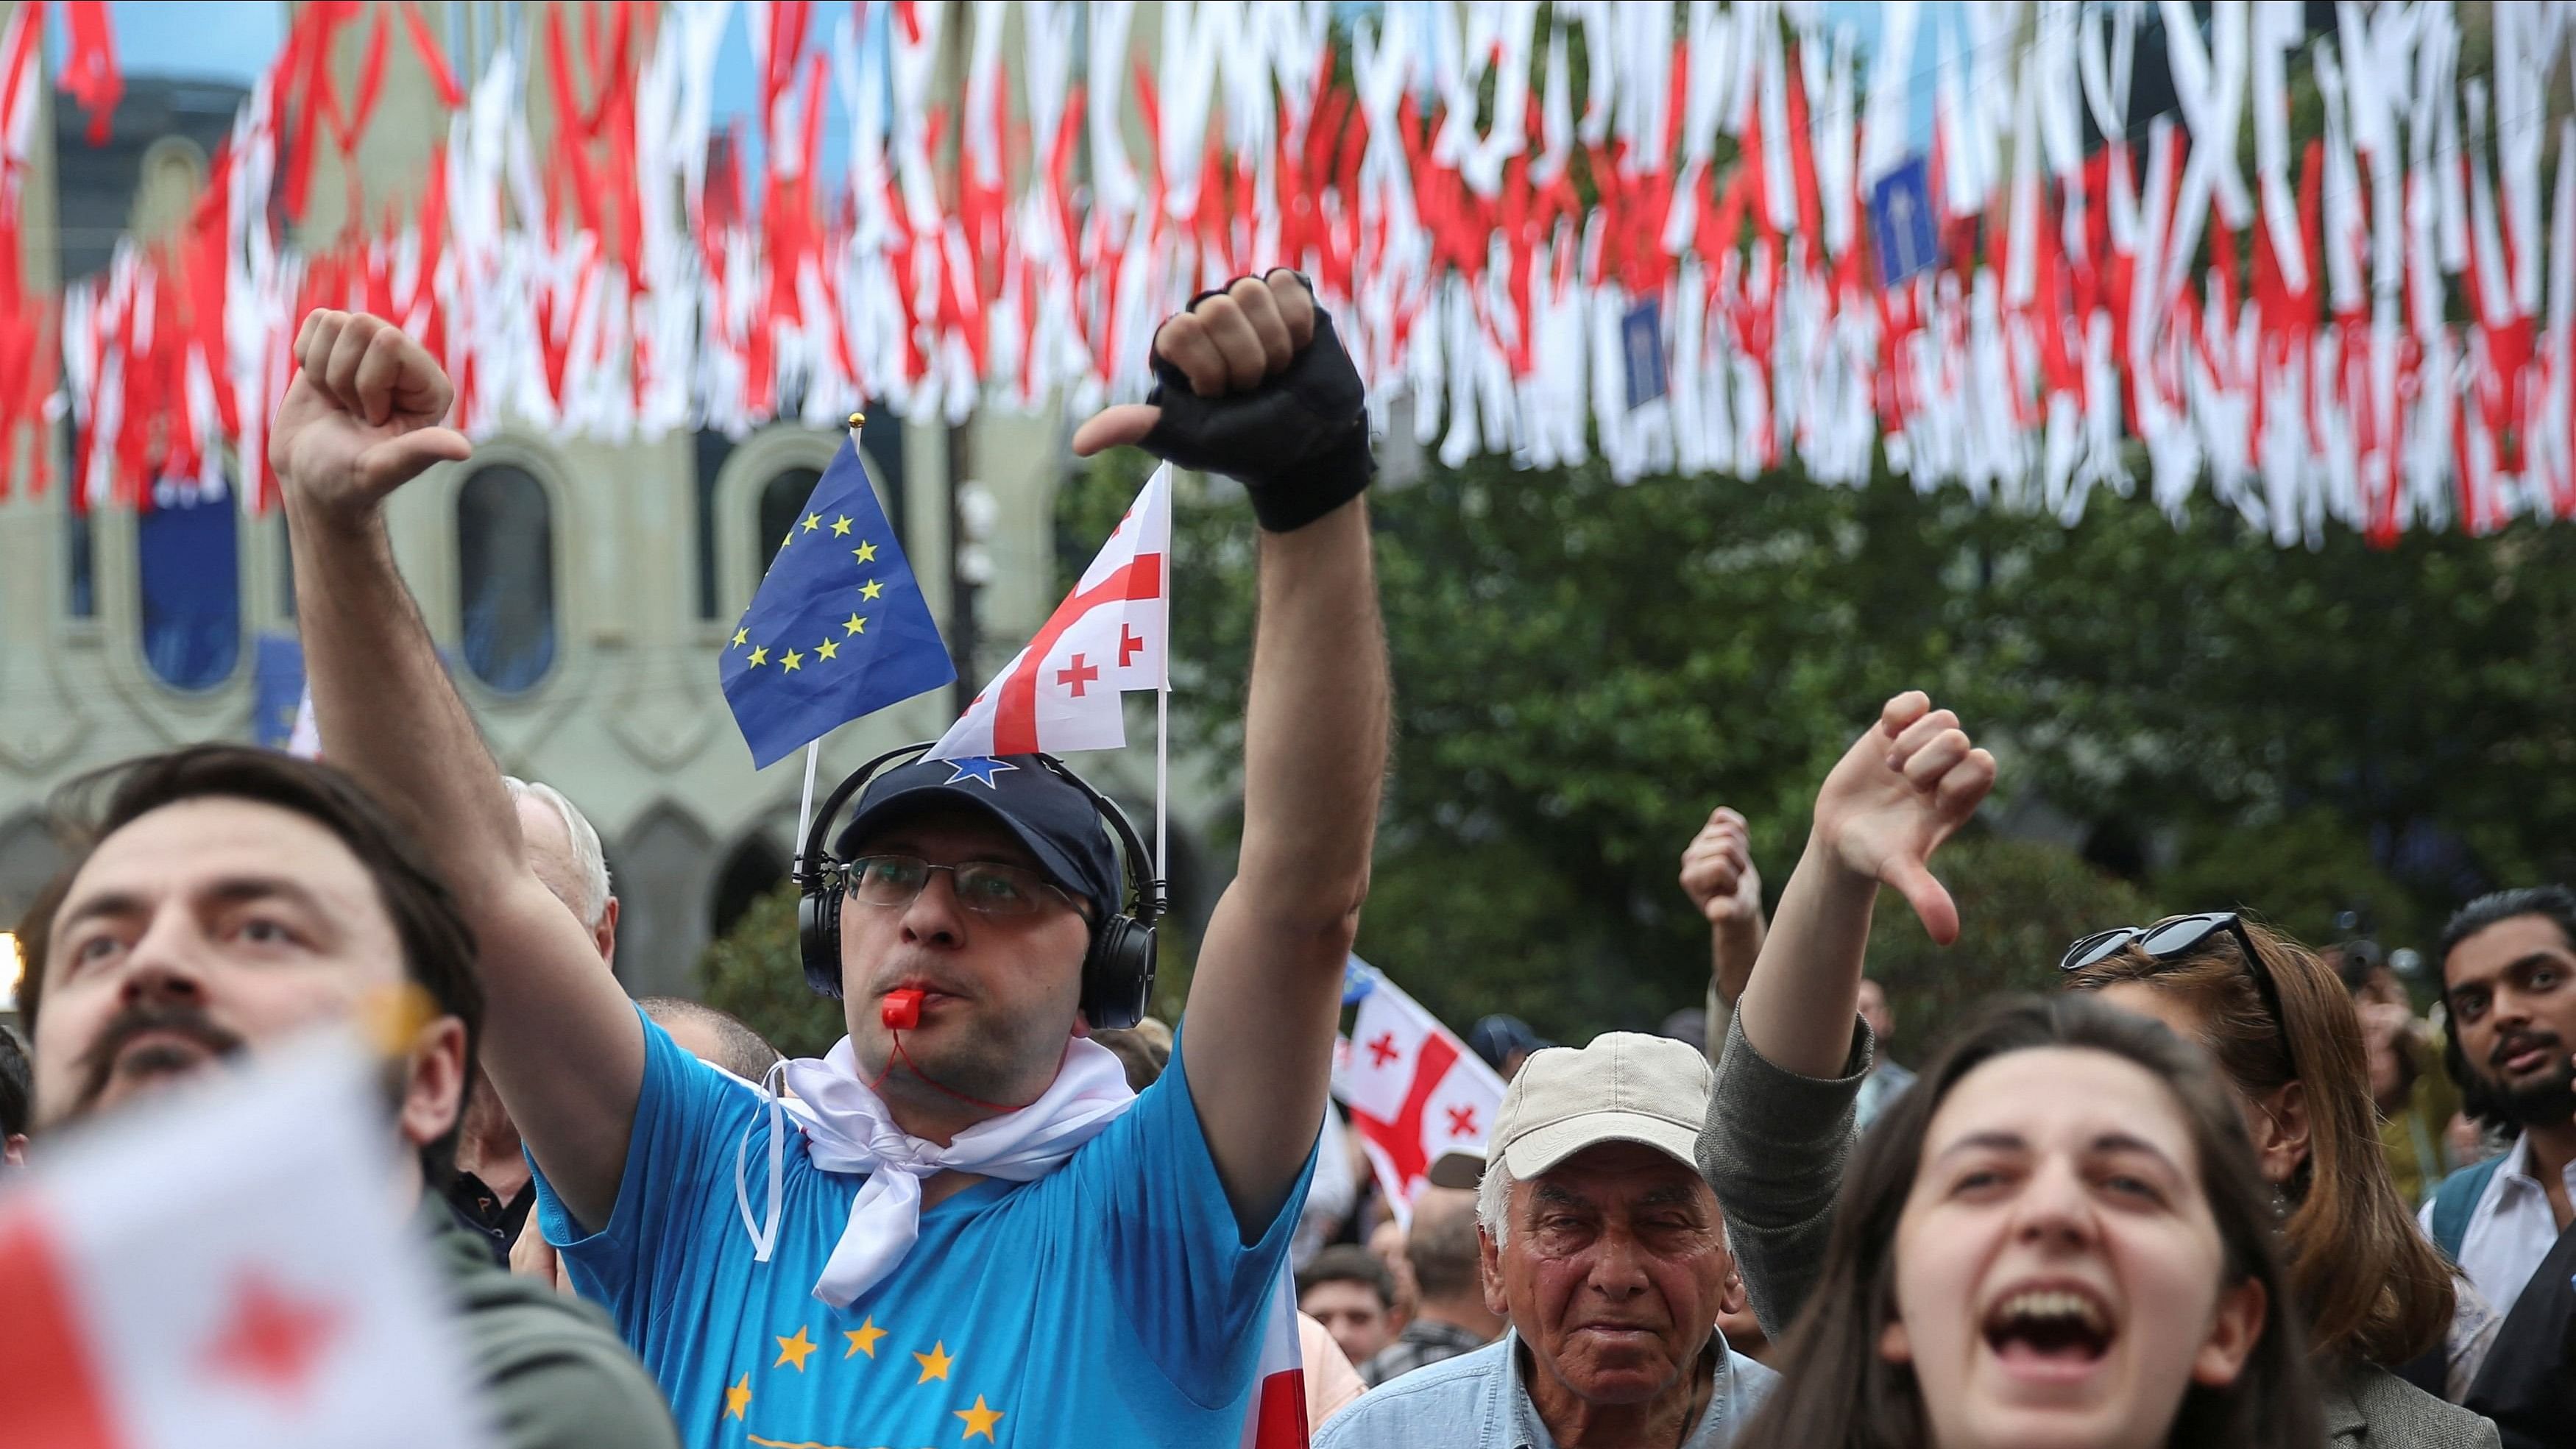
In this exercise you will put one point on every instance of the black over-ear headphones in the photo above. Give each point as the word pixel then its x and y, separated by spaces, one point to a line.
pixel 1118 971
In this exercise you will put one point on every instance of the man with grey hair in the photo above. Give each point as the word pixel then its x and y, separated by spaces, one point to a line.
pixel 564 852
pixel 718 1038
pixel 1605 1248
pixel 492 1192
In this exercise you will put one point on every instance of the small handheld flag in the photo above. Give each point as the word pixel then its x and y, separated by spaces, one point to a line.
pixel 161 1292
pixel 1107 637
pixel 1277 1416
pixel 281 709
pixel 277 690
pixel 838 629
pixel 1414 1090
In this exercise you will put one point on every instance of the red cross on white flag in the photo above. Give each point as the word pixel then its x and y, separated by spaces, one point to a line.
pixel 1276 1418
pixel 1414 1090
pixel 160 1290
pixel 1107 637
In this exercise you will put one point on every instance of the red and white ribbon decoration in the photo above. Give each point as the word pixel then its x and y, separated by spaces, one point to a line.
pixel 2142 312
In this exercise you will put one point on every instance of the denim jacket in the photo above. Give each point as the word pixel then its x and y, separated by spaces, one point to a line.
pixel 1477 1401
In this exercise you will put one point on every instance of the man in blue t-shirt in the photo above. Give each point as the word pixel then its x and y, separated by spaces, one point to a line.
pixel 964 1227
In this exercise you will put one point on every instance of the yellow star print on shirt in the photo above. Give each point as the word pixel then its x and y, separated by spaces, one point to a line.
pixel 865 553
pixel 863 1339
pixel 979 1420
pixel 934 1364
pixel 841 526
pixel 795 1350
pixel 738 1398
pixel 871 589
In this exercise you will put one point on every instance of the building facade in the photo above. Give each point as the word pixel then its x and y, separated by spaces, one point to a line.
pixel 582 591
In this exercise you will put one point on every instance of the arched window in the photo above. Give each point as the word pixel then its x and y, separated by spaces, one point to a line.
pixel 80 564
pixel 712 448
pixel 782 506
pixel 753 870
pixel 29 856
pixel 188 563
pixel 505 564
pixel 665 868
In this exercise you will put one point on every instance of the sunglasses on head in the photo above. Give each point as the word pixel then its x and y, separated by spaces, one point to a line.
pixel 2178 936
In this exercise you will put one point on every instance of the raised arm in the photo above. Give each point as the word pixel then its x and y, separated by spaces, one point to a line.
pixel 1779 1128
pixel 1723 886
pixel 1269 985
pixel 1902 788
pixel 362 418
pixel 1258 1039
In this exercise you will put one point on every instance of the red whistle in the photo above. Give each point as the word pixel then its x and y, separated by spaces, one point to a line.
pixel 901 1010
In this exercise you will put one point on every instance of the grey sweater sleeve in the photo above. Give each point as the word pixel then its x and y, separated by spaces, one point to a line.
pixel 1774 1148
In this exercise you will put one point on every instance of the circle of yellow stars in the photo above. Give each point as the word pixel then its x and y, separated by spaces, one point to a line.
pixel 793 660
pixel 794 1349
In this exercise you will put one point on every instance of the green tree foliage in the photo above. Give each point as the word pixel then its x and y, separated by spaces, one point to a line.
pixel 2020 904
pixel 2300 872
pixel 1584 669
pixel 754 972
pixel 2413 703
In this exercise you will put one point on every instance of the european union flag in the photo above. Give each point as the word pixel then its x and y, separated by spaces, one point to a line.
pixel 277 689
pixel 839 628
pixel 1903 229
pixel 1641 336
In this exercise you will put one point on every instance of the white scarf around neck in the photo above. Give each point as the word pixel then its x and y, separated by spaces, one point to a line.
pixel 848 1128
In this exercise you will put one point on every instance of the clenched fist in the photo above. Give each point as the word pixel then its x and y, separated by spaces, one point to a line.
pixel 1252 382
pixel 1718 873
pixel 365 414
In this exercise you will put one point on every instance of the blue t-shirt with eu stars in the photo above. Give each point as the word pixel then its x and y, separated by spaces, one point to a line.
pixel 1112 1301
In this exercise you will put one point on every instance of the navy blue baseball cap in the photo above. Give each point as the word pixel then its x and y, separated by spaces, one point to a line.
pixel 1043 810
pixel 1496 1037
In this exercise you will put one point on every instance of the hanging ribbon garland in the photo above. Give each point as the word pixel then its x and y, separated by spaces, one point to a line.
pixel 1521 213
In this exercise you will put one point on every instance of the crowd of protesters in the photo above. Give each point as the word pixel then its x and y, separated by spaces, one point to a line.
pixel 2219 1189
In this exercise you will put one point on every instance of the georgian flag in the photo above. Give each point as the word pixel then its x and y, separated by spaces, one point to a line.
pixel 1277 1418
pixel 161 1292
pixel 1414 1090
pixel 1107 637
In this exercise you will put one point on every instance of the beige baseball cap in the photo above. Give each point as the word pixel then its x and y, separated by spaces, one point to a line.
pixel 1625 1087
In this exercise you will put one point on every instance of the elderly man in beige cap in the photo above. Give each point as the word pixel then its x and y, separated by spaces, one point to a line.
pixel 1604 1246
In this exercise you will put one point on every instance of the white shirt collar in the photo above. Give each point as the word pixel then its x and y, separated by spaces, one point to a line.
pixel 2516 1170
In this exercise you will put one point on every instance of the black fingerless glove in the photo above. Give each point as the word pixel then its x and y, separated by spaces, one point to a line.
pixel 1298 443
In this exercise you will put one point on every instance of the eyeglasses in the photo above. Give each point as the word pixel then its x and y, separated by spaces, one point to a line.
pixel 986 887
pixel 2178 935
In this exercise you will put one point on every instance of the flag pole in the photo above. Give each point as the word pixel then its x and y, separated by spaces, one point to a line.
pixel 1163 720
pixel 814 747
pixel 1163 766
pixel 805 807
